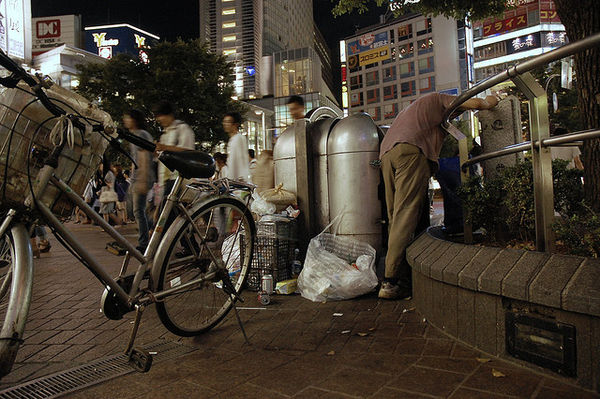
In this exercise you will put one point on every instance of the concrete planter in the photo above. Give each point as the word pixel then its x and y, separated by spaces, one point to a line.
pixel 471 291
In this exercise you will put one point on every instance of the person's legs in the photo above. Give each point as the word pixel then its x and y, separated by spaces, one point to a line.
pixel 406 173
pixel 139 211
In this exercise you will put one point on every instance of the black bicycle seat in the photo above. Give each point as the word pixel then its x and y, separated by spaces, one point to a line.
pixel 189 164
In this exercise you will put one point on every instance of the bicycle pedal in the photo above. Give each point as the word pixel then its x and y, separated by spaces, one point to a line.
pixel 115 249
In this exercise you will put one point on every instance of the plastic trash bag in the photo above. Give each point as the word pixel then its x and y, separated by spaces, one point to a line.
pixel 337 268
pixel 262 207
pixel 231 254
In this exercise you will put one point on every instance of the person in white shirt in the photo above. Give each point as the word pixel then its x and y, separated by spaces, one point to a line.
pixel 571 153
pixel 237 148
pixel 177 136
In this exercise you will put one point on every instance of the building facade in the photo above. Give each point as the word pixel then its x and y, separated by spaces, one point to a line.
pixel 530 29
pixel 245 31
pixel 388 66
pixel 110 40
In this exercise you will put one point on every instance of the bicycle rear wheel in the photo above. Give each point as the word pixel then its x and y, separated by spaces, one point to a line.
pixel 16 281
pixel 228 229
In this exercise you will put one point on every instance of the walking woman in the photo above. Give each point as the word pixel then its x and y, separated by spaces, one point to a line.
pixel 142 178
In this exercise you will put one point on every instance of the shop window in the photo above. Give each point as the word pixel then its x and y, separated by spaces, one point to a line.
pixel 372 96
pixel 391 36
pixel 373 65
pixel 372 78
pixel 426 65
pixel 390 92
pixel 405 32
pixel 425 46
pixel 423 27
pixel 356 99
pixel 389 74
pixel 407 50
pixel 356 82
pixel 407 69
pixel 390 111
pixel 408 89
pixel 427 85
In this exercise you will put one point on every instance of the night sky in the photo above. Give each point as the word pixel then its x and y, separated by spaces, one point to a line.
pixel 180 18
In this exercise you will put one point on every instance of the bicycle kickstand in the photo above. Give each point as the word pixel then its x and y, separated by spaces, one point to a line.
pixel 239 320
pixel 139 359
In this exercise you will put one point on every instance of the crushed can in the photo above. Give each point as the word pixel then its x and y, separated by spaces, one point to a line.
pixel 264 298
pixel 267 284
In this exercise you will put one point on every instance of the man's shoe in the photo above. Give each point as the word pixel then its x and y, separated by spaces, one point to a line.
pixel 393 291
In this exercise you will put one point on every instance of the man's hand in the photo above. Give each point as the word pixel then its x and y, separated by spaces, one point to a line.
pixel 477 103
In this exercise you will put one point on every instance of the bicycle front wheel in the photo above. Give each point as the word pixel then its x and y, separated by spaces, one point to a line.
pixel 16 281
pixel 222 235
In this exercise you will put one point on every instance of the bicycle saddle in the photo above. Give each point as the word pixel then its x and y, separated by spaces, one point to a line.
pixel 189 164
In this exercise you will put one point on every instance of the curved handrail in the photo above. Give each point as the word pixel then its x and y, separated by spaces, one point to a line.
pixel 520 68
pixel 526 145
pixel 321 112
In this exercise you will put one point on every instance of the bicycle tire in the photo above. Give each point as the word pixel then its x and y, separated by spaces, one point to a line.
pixel 16 283
pixel 184 314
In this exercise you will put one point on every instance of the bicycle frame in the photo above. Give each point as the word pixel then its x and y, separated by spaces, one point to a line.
pixel 128 299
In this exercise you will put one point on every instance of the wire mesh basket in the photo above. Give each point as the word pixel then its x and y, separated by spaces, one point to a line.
pixel 25 142
pixel 273 254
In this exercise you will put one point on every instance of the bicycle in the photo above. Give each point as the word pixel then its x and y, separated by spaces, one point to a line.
pixel 192 271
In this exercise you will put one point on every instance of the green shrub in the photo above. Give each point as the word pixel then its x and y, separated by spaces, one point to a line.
pixel 504 206
pixel 580 233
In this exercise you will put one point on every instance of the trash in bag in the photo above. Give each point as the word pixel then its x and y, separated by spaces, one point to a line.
pixel 280 197
pixel 260 206
pixel 336 268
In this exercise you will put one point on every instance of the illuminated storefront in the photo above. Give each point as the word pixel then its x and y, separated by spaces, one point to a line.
pixel 110 40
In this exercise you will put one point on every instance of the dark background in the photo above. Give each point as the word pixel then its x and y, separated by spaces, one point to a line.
pixel 180 18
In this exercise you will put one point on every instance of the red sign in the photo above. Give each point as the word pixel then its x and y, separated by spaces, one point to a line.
pixel 48 28
pixel 506 25
pixel 344 74
pixel 549 16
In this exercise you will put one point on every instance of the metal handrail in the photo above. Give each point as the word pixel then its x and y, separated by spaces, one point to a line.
pixel 518 69
pixel 526 145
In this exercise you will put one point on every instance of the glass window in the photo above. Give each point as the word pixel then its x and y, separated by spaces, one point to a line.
pixel 408 89
pixel 425 46
pixel 423 27
pixel 391 36
pixel 389 74
pixel 372 96
pixel 228 25
pixel 356 99
pixel 375 113
pixel 390 92
pixel 392 58
pixel 390 111
pixel 426 65
pixel 230 38
pixel 356 82
pixel 407 50
pixel 405 32
pixel 427 85
pixel 407 69
pixel 372 78
pixel 373 65
pixel 228 11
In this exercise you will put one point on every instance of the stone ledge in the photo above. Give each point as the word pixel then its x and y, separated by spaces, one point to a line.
pixel 570 283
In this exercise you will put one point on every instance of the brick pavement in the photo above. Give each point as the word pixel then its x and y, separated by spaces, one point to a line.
pixel 298 348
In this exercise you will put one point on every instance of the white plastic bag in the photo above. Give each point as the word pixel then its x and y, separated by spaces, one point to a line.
pixel 337 268
pixel 260 206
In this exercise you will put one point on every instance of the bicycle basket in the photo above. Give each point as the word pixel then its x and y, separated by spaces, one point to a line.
pixel 25 142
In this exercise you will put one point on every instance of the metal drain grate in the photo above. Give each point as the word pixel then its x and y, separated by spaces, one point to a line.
pixel 61 383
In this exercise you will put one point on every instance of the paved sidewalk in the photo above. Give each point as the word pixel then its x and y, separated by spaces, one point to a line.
pixel 374 349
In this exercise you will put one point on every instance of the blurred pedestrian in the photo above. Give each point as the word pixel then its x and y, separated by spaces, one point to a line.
pixel 121 188
pixel 142 177
pixel 221 165
pixel 251 163
pixel 570 153
pixel 237 147
pixel 409 154
pixel 295 106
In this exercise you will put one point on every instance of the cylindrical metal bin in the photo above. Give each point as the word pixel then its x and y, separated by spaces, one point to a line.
pixel 284 160
pixel 319 135
pixel 353 181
